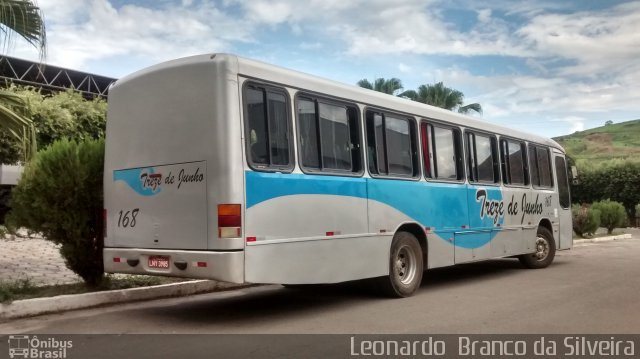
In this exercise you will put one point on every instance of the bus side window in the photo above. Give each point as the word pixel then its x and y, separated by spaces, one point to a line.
pixel 392 145
pixel 564 195
pixel 257 125
pixel 513 162
pixel 442 153
pixel 278 129
pixel 328 135
pixel 482 156
pixel 540 166
pixel 267 123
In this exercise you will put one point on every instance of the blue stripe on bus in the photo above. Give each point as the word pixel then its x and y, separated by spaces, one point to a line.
pixel 132 178
pixel 263 186
pixel 443 206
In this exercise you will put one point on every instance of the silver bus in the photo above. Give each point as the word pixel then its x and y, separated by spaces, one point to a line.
pixel 231 169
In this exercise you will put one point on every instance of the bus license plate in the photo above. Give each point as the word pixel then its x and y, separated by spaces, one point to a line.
pixel 159 262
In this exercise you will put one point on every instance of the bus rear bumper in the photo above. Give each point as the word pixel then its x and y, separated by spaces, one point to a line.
pixel 223 266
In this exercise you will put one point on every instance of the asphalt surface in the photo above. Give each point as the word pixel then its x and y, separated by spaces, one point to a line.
pixel 591 289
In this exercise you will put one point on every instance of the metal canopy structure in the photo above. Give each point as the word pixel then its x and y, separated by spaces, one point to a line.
pixel 52 78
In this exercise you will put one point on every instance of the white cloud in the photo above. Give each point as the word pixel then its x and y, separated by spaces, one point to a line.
pixel 577 123
pixel 484 15
pixel 80 31
pixel 577 64
pixel 597 42
pixel 520 98
pixel 414 28
pixel 269 12
pixel 404 68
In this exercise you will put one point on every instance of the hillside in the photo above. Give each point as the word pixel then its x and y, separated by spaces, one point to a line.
pixel 600 144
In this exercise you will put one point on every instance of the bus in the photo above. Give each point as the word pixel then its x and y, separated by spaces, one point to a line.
pixel 226 168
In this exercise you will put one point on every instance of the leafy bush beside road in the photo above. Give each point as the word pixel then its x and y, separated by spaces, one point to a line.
pixel 60 195
pixel 585 220
pixel 612 214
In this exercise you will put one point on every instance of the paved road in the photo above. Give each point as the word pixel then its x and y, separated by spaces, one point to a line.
pixel 593 288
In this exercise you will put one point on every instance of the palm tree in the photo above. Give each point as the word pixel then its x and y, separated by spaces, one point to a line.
pixel 22 18
pixel 442 96
pixel 388 86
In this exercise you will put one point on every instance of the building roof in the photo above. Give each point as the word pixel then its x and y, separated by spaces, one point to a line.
pixel 52 78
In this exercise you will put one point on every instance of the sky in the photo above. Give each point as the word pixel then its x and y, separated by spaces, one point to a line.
pixel 551 68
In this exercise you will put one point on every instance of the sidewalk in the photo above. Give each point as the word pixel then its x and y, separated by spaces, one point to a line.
pixel 35 259
pixel 40 261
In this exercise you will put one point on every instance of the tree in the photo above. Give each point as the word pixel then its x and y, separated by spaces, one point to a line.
pixel 18 126
pixel 442 96
pixel 609 122
pixel 388 86
pixel 22 18
pixel 60 115
pixel 435 95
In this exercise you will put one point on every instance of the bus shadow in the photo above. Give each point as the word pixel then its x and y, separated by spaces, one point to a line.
pixel 271 302
pixel 474 272
pixel 462 273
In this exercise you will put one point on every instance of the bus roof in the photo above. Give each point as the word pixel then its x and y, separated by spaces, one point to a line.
pixel 291 78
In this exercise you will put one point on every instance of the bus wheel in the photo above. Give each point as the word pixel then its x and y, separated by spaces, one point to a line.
pixel 545 251
pixel 405 267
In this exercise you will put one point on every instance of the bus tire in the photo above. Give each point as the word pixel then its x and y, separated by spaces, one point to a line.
pixel 405 267
pixel 545 251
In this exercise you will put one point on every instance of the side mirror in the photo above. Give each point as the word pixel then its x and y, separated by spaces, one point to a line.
pixel 574 175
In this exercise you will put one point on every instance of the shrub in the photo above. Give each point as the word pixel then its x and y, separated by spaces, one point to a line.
pixel 60 115
pixel 612 214
pixel 60 195
pixel 585 220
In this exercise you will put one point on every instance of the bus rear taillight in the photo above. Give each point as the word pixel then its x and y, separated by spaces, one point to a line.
pixel 229 221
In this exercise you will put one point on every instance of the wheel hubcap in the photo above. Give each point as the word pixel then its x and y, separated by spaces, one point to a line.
pixel 542 248
pixel 405 265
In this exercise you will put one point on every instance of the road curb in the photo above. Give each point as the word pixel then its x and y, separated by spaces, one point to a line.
pixel 61 303
pixel 602 239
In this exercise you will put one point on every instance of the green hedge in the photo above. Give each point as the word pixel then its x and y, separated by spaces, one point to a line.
pixel 618 182
pixel 60 195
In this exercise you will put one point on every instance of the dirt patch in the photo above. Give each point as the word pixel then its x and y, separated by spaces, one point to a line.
pixel 599 137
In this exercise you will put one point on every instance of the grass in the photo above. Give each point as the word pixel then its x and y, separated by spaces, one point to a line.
pixel 602 144
pixel 11 290
pixel 25 289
